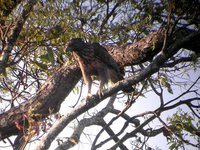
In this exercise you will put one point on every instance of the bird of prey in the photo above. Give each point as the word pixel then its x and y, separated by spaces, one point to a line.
pixel 94 59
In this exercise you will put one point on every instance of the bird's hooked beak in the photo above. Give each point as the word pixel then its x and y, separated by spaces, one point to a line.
pixel 75 44
pixel 68 48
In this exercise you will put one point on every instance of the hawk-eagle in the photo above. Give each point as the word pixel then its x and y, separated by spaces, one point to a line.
pixel 94 59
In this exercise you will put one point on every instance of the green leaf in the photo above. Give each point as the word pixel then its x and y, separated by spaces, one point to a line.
pixel 51 56
pixel 166 84
pixel 54 41
pixel 41 65
pixel 44 58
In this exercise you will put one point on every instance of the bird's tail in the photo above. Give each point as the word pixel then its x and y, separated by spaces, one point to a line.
pixel 128 89
pixel 120 77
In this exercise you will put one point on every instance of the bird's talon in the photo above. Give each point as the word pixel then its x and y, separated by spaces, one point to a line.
pixel 100 93
pixel 88 96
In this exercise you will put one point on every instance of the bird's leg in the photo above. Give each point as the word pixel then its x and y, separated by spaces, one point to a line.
pixel 88 82
pixel 89 86
pixel 104 77
pixel 101 86
pixel 100 90
pixel 87 79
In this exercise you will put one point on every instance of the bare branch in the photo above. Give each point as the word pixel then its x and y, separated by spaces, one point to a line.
pixel 180 60
pixel 184 93
pixel 108 15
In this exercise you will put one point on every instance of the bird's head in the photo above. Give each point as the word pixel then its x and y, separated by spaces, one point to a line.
pixel 75 44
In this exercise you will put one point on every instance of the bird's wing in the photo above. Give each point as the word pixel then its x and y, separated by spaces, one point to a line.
pixel 102 54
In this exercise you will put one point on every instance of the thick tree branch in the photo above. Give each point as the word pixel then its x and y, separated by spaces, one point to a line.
pixel 94 120
pixel 149 46
pixel 141 51
pixel 46 101
pixel 112 134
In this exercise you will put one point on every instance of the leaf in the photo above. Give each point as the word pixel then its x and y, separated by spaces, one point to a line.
pixel 165 83
pixel 51 56
pixel 41 65
pixel 44 58
pixel 54 41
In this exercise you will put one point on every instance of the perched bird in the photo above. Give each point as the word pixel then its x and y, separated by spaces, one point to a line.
pixel 94 59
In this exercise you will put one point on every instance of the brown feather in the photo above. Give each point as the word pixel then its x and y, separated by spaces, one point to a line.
pixel 94 59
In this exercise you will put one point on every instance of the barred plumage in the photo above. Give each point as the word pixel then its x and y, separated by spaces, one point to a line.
pixel 94 59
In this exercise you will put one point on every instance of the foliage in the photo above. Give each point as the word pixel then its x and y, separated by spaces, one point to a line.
pixel 183 123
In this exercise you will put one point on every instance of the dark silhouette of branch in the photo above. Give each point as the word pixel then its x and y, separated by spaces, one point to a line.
pixel 94 120
pixel 180 60
pixel 108 15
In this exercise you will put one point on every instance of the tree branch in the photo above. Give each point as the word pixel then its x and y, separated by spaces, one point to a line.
pixel 47 100
pixel 95 120
pixel 107 16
